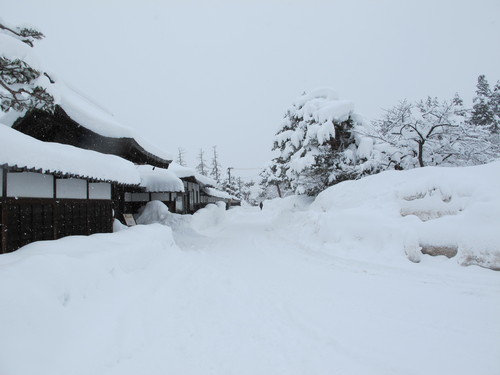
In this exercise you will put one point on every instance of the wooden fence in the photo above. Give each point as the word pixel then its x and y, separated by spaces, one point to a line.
pixel 23 220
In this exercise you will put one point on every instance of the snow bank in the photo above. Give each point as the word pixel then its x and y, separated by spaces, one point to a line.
pixel 288 204
pixel 211 216
pixel 153 212
pixel 24 151
pixel 66 302
pixel 438 211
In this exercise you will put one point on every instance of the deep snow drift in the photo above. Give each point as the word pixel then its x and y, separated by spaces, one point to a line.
pixel 298 288
pixel 441 211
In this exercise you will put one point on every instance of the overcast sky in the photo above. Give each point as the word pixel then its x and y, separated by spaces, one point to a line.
pixel 194 74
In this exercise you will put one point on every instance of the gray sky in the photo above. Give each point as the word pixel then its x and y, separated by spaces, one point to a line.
pixel 194 74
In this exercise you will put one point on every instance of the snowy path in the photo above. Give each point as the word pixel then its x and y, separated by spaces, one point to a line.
pixel 256 302
pixel 243 298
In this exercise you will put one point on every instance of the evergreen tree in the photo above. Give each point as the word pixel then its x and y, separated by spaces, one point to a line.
pixel 230 186
pixel 21 88
pixel 202 167
pixel 318 145
pixel 482 112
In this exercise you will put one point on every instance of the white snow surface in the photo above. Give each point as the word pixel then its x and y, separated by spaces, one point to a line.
pixel 247 291
pixel 159 179
pixel 18 149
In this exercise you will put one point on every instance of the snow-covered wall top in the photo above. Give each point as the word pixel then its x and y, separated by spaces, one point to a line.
pixel 18 149
pixel 159 179
pixel 183 172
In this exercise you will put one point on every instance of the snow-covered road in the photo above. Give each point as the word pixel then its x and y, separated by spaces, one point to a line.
pixel 241 296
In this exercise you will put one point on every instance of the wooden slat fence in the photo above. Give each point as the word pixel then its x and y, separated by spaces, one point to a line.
pixel 23 221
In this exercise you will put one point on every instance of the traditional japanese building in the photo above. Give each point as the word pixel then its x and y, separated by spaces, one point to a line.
pixel 50 190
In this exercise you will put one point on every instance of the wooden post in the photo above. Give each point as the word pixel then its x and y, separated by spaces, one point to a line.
pixel 3 235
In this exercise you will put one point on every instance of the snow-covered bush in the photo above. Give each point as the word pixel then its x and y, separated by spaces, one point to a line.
pixel 319 144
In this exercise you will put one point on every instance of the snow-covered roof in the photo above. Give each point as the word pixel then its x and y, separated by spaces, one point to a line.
pixel 159 179
pixel 184 172
pixel 78 107
pixel 18 149
pixel 218 194
pixel 95 118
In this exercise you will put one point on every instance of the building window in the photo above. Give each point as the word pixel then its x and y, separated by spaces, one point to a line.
pixel 100 190
pixel 140 197
pixel 160 197
pixel 71 188
pixel 30 185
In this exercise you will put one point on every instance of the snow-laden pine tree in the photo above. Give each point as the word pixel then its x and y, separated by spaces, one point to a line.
pixel 482 111
pixel 320 143
pixel 274 181
pixel 22 86
pixel 431 132
pixel 231 187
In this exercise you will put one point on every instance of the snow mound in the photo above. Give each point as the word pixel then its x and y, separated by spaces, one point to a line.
pixel 287 204
pixel 84 288
pixel 212 216
pixel 435 210
pixel 153 212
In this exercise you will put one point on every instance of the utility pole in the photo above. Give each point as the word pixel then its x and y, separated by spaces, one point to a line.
pixel 229 173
